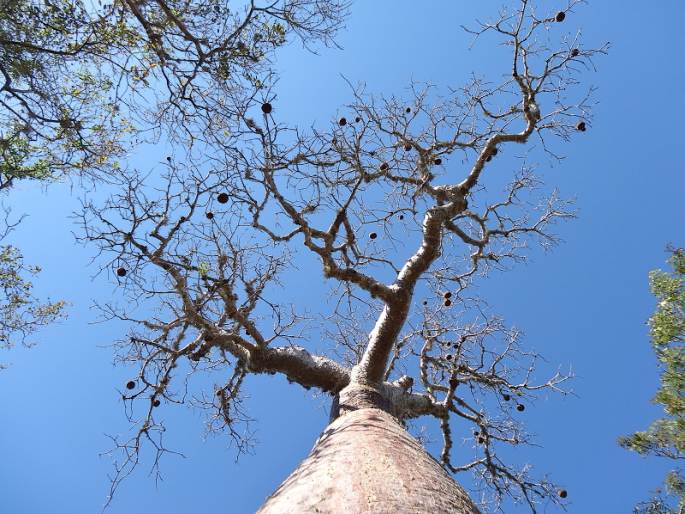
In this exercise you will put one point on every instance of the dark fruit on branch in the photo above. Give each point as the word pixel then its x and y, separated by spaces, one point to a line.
pixel 481 440
pixel 267 107
pixel 438 161
pixel 448 302
pixel 476 433
pixel 447 294
pixel 384 166
pixel 131 384
pixel 520 407
pixel 575 52
pixel 425 302
pixel 155 403
pixel 581 126
pixel 222 198
pixel 209 215
pixel 357 119
pixel 506 397
pixel 168 158
pixel 407 110
pixel 401 216
pixel 448 357
pixel 407 147
pixel 561 16
pixel 373 235
pixel 563 493
pixel 220 392
pixel 121 272
pixel 342 122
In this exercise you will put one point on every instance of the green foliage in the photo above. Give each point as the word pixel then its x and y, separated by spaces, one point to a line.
pixel 666 436
pixel 20 313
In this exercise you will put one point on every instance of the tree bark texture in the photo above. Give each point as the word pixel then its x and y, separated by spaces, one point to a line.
pixel 366 462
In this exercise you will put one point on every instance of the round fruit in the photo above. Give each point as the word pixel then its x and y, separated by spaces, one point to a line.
pixel 384 166
pixel 438 161
pixel 168 158
pixel 407 147
pixel 222 198
pixel 506 397
pixel 520 407
pixel 209 215
pixel 357 119
pixel 481 440
pixel 121 272
pixel 131 384
pixel 425 302
pixel 448 302
pixel 401 216
pixel 575 52
pixel 220 392
pixel 267 107
pixel 561 16
pixel 447 294
pixel 448 357
pixel 407 110
pixel 342 122
pixel 563 493
pixel 155 402
pixel 581 126
pixel 373 235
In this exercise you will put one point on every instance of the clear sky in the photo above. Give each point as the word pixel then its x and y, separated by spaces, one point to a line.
pixel 583 305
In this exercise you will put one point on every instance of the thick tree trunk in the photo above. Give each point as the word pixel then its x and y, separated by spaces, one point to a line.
pixel 366 462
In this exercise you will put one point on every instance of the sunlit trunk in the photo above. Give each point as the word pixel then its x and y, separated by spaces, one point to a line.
pixel 366 462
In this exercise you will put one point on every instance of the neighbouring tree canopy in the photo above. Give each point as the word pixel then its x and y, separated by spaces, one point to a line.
pixel 20 312
pixel 665 437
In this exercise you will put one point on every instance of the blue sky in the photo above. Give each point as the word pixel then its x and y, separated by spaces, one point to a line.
pixel 582 305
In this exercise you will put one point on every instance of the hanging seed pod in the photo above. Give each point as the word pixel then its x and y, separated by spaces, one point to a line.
pixel 131 384
pixel 373 235
pixel 155 402
pixel 222 198
pixel 357 119
pixel 121 272
pixel 520 407
pixel 438 161
pixel 448 356
pixel 448 302
pixel 267 108
pixel 407 110
pixel 581 126
pixel 342 122
pixel 384 166
pixel 561 16
pixel 575 52
pixel 401 216
pixel 481 440
pixel 168 158
pixel 563 493
pixel 447 295
pixel 209 215
pixel 476 433
pixel 506 397
pixel 425 302
pixel 220 392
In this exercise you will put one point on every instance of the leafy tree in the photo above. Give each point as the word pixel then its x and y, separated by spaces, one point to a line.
pixel 20 312
pixel 378 200
pixel 666 436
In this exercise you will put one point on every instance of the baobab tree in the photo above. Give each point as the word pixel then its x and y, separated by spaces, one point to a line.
pixel 391 203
